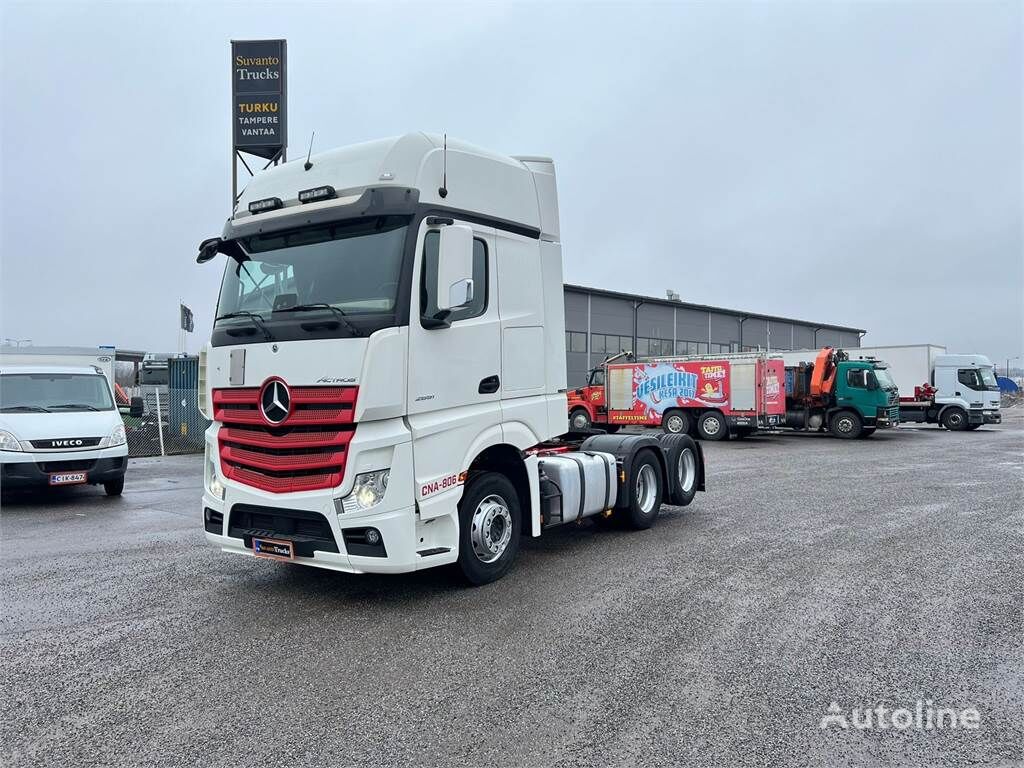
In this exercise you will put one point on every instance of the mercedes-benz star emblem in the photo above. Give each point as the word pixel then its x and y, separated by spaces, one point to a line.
pixel 275 402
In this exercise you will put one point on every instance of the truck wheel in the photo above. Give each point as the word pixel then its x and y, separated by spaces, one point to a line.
pixel 712 426
pixel 954 419
pixel 845 424
pixel 579 420
pixel 868 431
pixel 681 459
pixel 489 527
pixel 114 487
pixel 676 422
pixel 644 487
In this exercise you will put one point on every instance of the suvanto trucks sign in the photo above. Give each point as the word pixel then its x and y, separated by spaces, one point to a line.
pixel 259 96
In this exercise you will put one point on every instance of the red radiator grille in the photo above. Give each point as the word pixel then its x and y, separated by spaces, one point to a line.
pixel 304 452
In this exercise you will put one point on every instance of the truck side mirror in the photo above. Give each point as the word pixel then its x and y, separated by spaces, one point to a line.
pixel 454 267
pixel 872 381
pixel 136 408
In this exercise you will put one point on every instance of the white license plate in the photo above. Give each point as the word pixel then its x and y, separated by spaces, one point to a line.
pixel 68 478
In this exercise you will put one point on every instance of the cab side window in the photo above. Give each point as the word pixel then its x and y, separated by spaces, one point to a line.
pixel 969 378
pixel 855 378
pixel 428 279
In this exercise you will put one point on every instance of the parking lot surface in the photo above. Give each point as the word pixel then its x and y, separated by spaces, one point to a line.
pixel 881 571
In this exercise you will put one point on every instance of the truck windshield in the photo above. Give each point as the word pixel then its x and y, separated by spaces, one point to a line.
pixel 988 378
pixel 327 272
pixel 885 380
pixel 59 392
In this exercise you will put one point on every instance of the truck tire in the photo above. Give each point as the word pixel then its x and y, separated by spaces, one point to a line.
pixel 681 460
pixel 579 420
pixel 713 426
pixel 845 424
pixel 644 487
pixel 676 422
pixel 954 419
pixel 490 522
pixel 114 487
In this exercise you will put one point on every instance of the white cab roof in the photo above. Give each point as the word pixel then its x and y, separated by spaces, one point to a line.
pixel 520 190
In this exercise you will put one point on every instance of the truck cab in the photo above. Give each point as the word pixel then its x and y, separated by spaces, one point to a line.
pixel 966 391
pixel 387 361
pixel 867 387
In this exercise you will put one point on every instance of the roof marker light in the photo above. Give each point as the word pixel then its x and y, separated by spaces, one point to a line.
pixel 268 204
pixel 325 192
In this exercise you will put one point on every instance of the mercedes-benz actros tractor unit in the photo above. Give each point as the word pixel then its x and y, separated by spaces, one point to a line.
pixel 386 372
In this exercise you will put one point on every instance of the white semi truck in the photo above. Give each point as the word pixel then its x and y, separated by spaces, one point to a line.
pixel 957 392
pixel 386 372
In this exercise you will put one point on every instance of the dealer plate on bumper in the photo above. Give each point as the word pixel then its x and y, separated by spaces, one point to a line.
pixel 273 549
pixel 68 478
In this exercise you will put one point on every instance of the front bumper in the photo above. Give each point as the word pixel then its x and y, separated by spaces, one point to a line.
pixel 984 417
pixel 888 417
pixel 33 470
pixel 324 536
pixel 397 528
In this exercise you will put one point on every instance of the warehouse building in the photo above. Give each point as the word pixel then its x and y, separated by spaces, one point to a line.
pixel 600 323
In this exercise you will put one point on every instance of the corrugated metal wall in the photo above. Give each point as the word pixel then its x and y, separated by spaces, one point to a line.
pixel 597 326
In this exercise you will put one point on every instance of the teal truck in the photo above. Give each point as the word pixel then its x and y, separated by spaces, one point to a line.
pixel 849 398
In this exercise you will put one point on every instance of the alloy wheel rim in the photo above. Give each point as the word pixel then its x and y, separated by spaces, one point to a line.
pixel 491 528
pixel 646 488
pixel 687 470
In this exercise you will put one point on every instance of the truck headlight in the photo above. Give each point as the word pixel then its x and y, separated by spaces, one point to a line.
pixel 213 482
pixel 367 491
pixel 117 436
pixel 8 442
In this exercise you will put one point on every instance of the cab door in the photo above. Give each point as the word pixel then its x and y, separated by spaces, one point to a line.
pixel 454 372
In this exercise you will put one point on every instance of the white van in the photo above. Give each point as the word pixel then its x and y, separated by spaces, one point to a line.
pixel 59 426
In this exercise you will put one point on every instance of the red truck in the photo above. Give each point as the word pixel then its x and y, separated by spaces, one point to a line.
pixel 714 397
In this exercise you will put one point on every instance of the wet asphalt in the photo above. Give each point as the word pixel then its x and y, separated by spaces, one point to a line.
pixel 813 571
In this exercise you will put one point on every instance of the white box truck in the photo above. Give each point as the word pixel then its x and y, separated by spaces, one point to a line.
pixel 386 372
pixel 957 392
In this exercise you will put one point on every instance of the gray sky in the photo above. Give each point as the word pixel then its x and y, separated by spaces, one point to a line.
pixel 853 163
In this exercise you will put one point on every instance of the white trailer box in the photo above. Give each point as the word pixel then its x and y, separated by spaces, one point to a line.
pixel 62 357
pixel 910 365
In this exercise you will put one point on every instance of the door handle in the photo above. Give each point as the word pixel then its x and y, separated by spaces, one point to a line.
pixel 489 385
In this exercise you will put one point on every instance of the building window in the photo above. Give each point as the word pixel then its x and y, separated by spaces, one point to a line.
pixel 691 347
pixel 575 341
pixel 610 344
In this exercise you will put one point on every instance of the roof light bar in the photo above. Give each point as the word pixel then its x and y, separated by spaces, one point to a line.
pixel 325 192
pixel 268 204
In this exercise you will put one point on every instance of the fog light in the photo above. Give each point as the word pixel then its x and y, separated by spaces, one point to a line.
pixel 372 536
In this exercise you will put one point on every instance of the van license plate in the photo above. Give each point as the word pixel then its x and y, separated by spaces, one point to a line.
pixel 68 478
pixel 273 549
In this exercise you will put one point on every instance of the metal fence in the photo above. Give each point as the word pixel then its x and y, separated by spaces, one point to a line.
pixel 170 424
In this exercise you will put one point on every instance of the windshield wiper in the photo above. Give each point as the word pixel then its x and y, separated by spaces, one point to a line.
pixel 338 313
pixel 84 406
pixel 256 319
pixel 30 408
